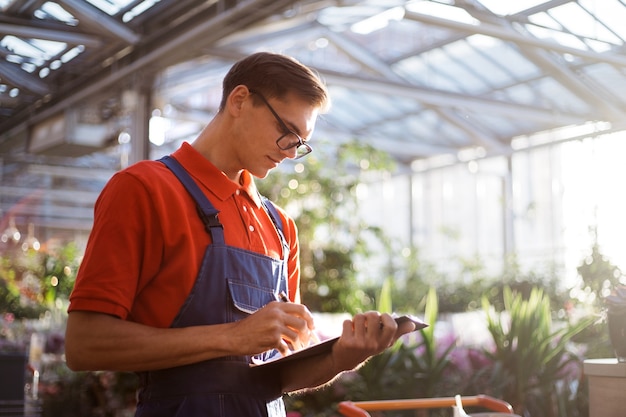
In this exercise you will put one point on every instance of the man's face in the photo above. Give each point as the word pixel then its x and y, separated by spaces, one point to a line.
pixel 259 151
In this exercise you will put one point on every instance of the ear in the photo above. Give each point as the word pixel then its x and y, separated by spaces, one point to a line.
pixel 236 99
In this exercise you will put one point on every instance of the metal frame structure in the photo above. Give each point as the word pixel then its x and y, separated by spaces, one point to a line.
pixel 418 79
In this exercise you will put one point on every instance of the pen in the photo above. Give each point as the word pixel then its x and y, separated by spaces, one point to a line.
pixel 282 297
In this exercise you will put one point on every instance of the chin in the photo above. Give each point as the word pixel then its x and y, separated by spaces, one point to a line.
pixel 260 173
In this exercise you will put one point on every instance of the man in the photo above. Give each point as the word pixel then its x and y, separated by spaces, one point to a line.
pixel 185 261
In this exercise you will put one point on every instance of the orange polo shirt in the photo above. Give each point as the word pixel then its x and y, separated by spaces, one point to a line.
pixel 147 241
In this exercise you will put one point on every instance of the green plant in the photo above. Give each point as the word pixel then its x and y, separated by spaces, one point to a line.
pixel 599 276
pixel 402 371
pixel 463 292
pixel 392 373
pixel 413 367
pixel 35 285
pixel 531 356
pixel 32 282
pixel 320 194
pixel 431 361
pixel 598 279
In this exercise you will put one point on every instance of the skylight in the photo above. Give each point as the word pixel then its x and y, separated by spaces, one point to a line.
pixel 442 10
pixel 110 7
pixel 5 3
pixel 506 8
pixel 139 9
pixel 37 51
pixel 54 10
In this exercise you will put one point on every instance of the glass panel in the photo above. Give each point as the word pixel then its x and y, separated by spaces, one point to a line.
pixel 500 52
pixel 110 7
pixel 579 22
pixel 612 13
pixel 610 78
pixel 561 38
pixel 509 7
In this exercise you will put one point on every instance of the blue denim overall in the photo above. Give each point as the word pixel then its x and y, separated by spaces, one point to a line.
pixel 231 284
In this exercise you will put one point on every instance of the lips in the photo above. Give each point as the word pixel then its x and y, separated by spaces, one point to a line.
pixel 274 161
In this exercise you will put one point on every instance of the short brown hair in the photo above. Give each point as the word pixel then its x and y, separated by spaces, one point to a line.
pixel 276 75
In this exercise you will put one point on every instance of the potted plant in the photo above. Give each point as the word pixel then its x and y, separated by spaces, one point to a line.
pixel 12 364
pixel 532 359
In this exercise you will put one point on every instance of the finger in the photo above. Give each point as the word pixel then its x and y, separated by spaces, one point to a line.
pixel 388 330
pixel 388 322
pixel 283 348
pixel 374 322
pixel 299 337
pixel 359 325
pixel 298 324
pixel 291 336
pixel 348 328
pixel 300 311
pixel 313 338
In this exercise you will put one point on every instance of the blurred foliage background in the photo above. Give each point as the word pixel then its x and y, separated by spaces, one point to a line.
pixel 539 333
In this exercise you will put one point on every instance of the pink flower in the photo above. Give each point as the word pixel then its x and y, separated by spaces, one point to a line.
pixel 9 317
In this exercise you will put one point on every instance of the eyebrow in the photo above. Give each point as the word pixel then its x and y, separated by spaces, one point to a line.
pixel 291 126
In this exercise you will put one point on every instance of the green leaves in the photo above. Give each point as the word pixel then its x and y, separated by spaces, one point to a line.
pixel 432 363
pixel 384 300
pixel 320 193
pixel 32 282
pixel 530 354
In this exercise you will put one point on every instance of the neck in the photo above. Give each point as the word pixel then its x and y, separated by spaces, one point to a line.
pixel 214 146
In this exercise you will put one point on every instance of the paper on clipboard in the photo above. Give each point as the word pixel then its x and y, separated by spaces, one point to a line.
pixel 326 345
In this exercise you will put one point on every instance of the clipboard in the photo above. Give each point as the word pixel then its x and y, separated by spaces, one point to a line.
pixel 326 346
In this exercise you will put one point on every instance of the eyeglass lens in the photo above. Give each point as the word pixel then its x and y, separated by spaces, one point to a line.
pixel 290 140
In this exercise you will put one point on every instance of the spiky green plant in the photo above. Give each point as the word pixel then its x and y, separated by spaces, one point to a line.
pixel 531 354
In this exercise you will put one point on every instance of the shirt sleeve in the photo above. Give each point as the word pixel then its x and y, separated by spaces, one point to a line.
pixel 122 238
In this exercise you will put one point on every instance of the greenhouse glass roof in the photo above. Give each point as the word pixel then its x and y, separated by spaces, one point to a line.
pixel 417 79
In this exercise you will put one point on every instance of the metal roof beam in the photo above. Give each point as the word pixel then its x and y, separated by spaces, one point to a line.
pixel 27 30
pixel 92 16
pixel 23 7
pixel 69 223
pixel 407 151
pixel 366 59
pixel 209 30
pixel 547 62
pixel 22 79
pixel 71 172
pixel 479 136
pixel 452 100
pixel 363 56
pixel 515 37
pixel 402 150
pixel 63 195
pixel 298 27
pixel 50 211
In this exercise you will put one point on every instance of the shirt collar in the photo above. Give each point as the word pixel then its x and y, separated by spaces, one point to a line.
pixel 249 186
pixel 207 174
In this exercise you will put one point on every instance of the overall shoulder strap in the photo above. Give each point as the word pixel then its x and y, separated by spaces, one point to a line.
pixel 273 212
pixel 278 223
pixel 207 212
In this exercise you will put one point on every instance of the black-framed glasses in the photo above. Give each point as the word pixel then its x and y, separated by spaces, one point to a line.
pixel 289 139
